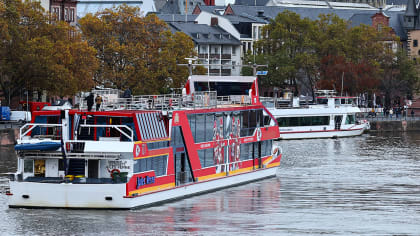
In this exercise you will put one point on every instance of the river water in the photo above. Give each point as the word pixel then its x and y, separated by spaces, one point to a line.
pixel 366 185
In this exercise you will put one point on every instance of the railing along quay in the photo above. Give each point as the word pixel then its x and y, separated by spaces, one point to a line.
pixel 389 118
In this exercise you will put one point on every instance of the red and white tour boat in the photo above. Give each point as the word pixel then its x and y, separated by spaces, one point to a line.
pixel 152 149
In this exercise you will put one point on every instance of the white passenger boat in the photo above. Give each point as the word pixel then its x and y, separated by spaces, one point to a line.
pixel 332 116
pixel 173 147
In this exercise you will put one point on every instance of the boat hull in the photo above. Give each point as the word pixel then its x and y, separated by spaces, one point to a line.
pixel 321 133
pixel 112 196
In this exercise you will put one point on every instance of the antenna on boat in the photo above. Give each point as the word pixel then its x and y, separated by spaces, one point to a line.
pixel 190 66
pixel 342 79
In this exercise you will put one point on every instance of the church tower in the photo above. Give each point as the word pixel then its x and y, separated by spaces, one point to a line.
pixel 410 15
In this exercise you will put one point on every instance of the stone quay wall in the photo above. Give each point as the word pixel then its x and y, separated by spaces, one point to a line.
pixel 394 125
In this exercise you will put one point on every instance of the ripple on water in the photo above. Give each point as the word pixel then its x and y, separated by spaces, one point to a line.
pixel 366 185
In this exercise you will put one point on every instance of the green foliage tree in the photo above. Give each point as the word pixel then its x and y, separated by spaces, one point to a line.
pixel 40 53
pixel 135 51
pixel 288 47
pixel 400 77
pixel 328 54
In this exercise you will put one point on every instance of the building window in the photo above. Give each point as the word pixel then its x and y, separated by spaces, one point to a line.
pixel 379 27
pixel 72 14
pixel 418 52
pixel 66 14
pixel 415 43
pixel 233 50
pixel 56 12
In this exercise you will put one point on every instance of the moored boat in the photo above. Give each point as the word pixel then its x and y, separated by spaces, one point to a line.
pixel 173 147
pixel 332 116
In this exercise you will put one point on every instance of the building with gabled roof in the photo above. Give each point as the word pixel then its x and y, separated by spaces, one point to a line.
pixel 411 24
pixel 183 7
pixel 217 48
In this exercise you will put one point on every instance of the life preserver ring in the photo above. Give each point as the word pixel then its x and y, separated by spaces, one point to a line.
pixel 114 171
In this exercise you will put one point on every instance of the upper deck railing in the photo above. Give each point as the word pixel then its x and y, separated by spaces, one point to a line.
pixel 206 99
pixel 296 102
pixel 52 131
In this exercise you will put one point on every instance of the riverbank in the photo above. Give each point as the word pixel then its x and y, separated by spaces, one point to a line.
pixel 394 125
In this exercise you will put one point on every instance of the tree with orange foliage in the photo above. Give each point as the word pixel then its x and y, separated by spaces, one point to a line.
pixel 136 51
pixel 38 53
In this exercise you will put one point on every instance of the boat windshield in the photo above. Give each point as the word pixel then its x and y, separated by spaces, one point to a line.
pixel 224 88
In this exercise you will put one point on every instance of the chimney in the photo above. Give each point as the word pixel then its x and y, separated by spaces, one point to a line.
pixel 214 21
pixel 260 13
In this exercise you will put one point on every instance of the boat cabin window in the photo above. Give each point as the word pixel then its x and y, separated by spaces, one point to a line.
pixel 206 157
pixel 158 164
pixel 251 119
pixel 28 166
pixel 252 150
pixel 224 88
pixel 337 101
pixel 52 132
pixel 202 126
pixel 350 119
pixel 303 121
pixel 323 101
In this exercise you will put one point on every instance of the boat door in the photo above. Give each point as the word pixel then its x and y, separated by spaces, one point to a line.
pixel 183 174
pixel 337 121
pixel 182 169
pixel 256 155
pixel 93 168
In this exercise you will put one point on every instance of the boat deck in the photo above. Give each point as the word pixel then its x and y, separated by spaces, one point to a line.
pixel 168 102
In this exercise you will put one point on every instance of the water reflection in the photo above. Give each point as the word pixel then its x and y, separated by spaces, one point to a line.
pixel 367 185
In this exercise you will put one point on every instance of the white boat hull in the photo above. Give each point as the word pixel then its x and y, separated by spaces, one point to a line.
pixel 65 195
pixel 321 133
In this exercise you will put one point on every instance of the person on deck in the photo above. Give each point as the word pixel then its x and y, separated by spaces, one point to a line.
pixel 89 100
pixel 127 96
pixel 98 101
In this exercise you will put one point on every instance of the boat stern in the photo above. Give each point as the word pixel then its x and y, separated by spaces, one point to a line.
pixel 67 195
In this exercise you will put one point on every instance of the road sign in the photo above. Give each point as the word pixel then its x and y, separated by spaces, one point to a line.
pixel 264 72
